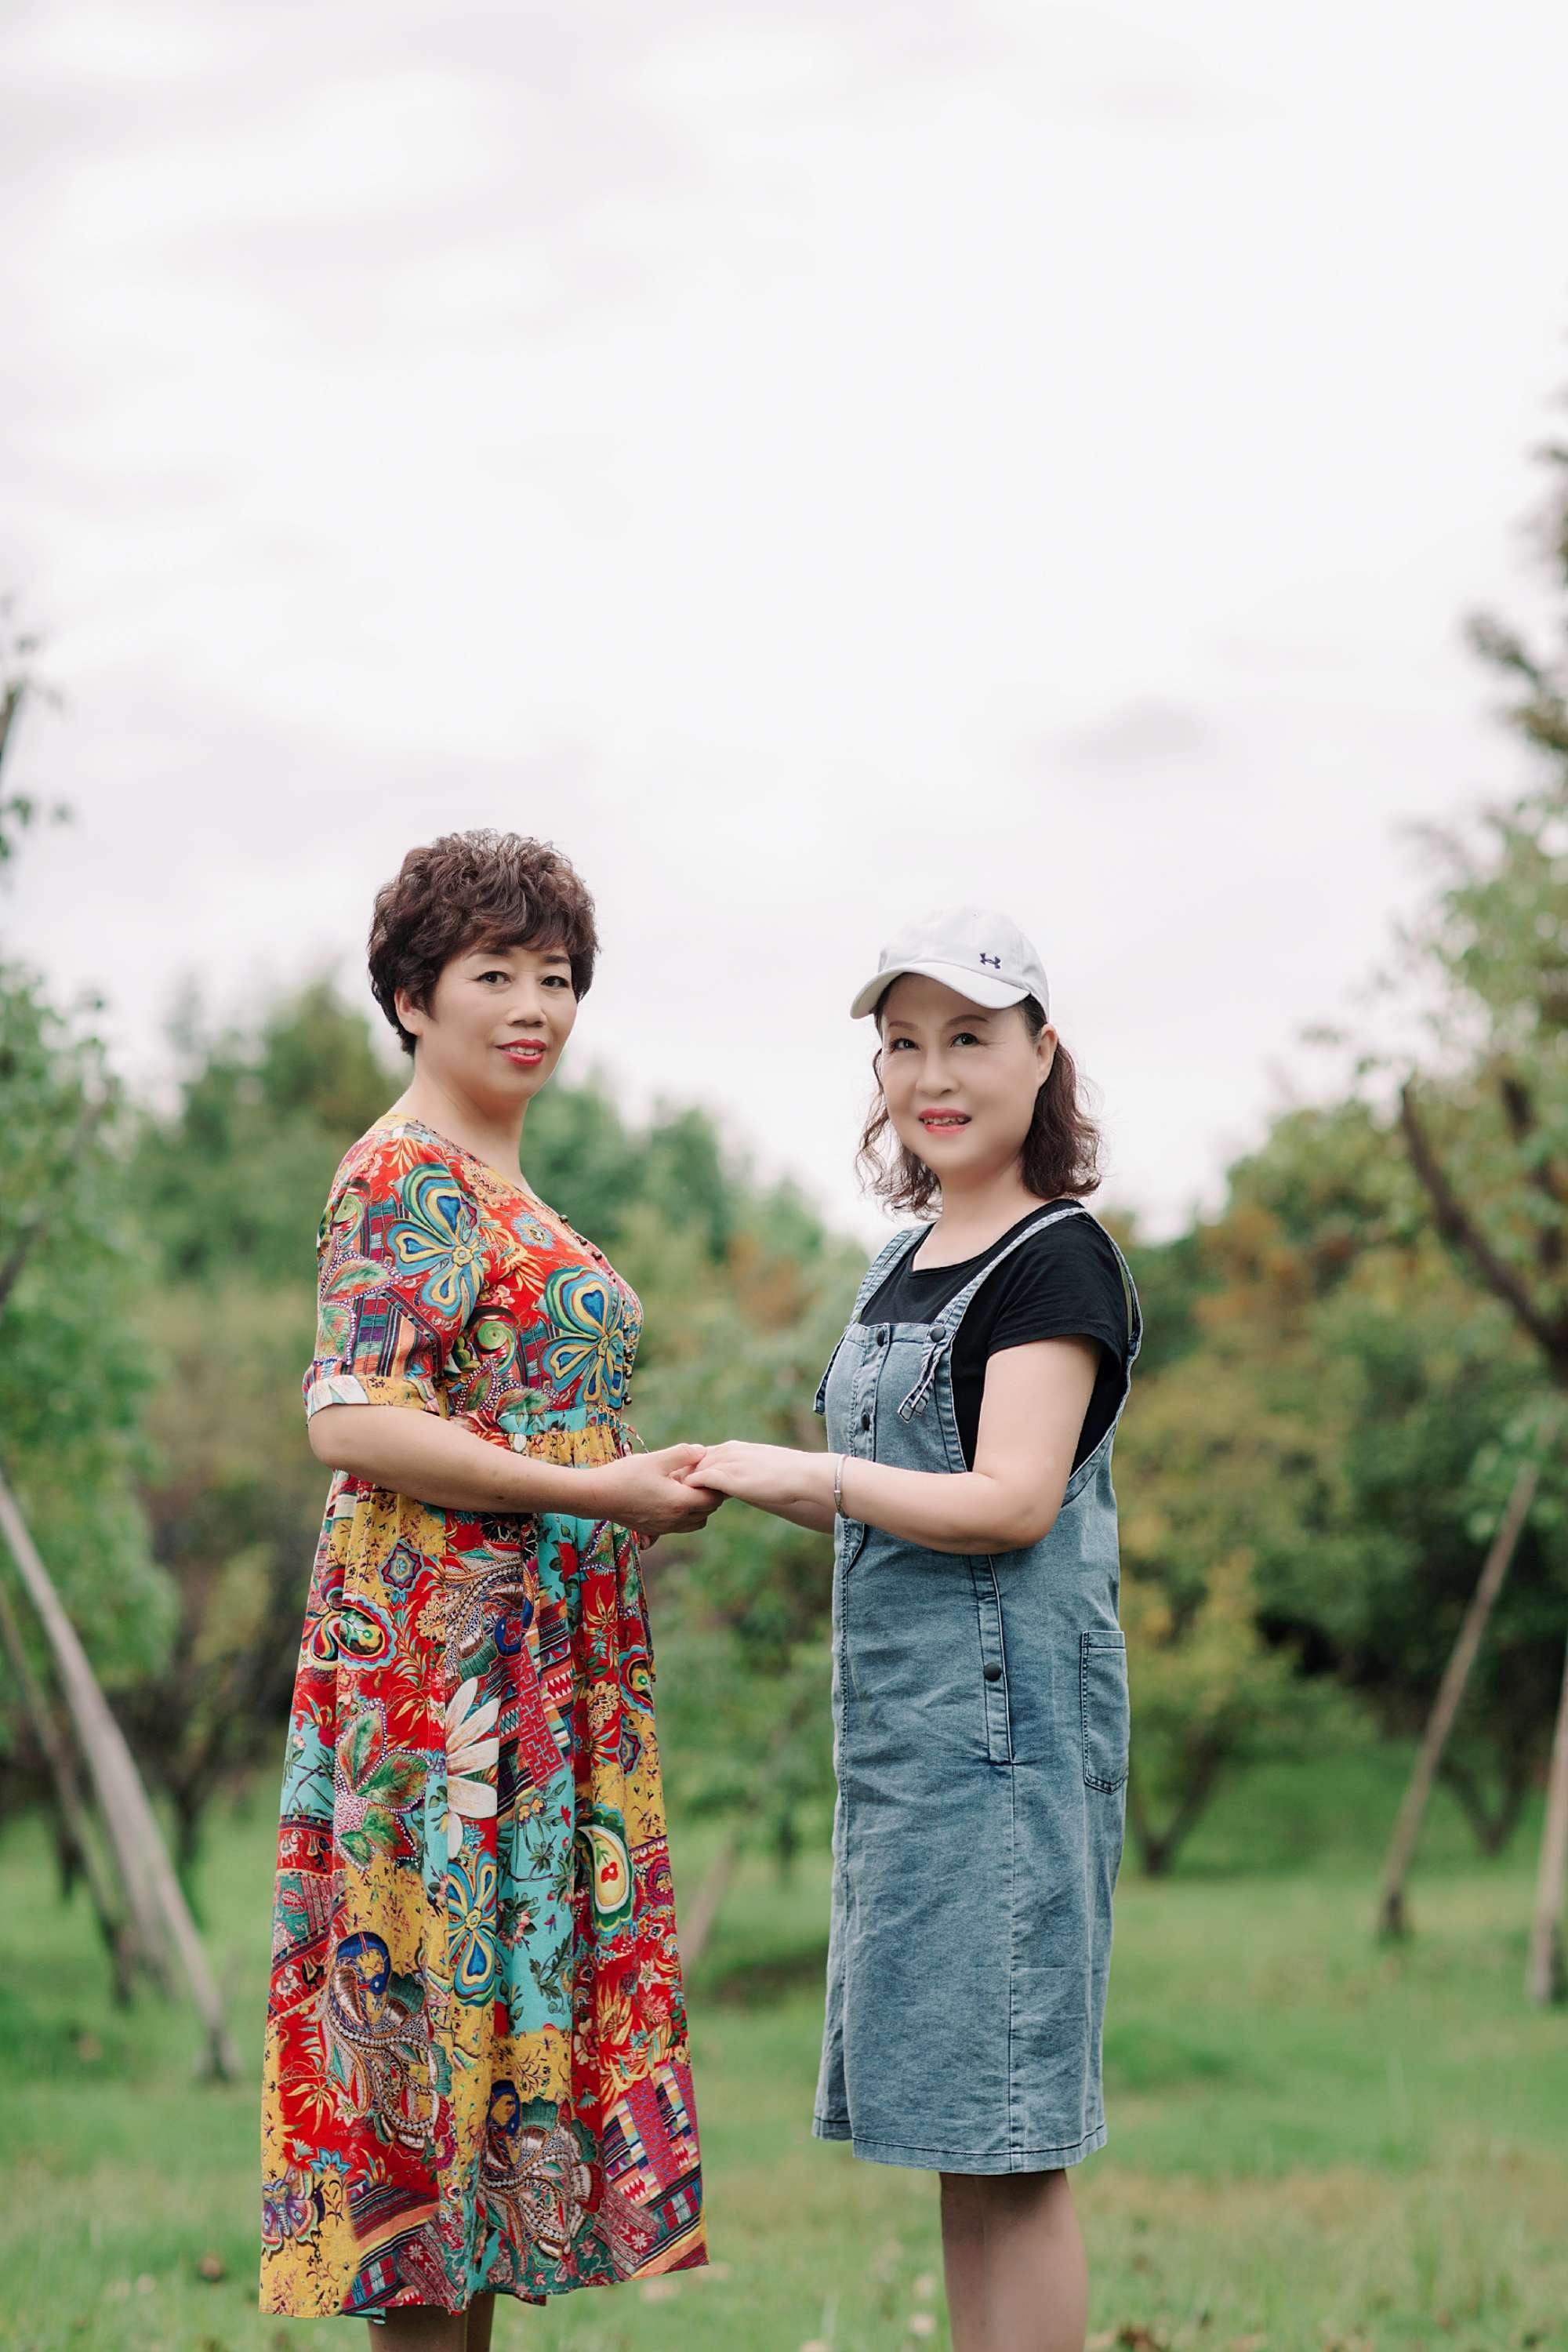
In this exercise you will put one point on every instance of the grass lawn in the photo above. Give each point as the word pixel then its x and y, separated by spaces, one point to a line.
pixel 1315 2143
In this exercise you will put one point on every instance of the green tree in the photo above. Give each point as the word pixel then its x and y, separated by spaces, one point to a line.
pixel 1312 1480
pixel 73 1373
pixel 230 1182
pixel 1485 970
pixel 1220 1486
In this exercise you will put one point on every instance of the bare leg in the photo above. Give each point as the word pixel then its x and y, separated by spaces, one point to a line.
pixel 418 2328
pixel 963 2259
pixel 481 2319
pixel 1017 2280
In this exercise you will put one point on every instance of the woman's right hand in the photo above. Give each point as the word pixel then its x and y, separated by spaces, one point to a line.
pixel 648 1493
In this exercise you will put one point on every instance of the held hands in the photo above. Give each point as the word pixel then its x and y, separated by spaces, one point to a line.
pixel 770 1478
pixel 659 1495
pixel 676 1490
pixel 652 1494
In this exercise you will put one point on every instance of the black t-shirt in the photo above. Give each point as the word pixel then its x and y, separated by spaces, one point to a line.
pixel 1066 1282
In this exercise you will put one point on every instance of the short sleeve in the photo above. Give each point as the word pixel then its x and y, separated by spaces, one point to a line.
pixel 399 1272
pixel 1067 1284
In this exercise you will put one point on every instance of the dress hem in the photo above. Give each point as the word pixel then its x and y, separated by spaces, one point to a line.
pixel 944 2159
pixel 375 2315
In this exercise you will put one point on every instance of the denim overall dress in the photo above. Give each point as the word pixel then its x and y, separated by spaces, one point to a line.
pixel 981 1745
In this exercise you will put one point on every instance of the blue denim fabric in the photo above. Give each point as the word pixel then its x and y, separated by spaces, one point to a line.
pixel 981 1744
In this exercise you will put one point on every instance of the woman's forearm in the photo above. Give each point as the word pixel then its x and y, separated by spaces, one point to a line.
pixel 441 1463
pixel 958 1511
pixel 818 1516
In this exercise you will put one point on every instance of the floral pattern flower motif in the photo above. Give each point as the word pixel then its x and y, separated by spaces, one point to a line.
pixel 472 1747
pixel 438 1241
pixel 374 1788
pixel 531 1231
pixel 590 1355
pixel 472 1881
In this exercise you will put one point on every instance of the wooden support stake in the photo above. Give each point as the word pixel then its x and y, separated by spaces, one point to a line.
pixel 1391 1918
pixel 697 1919
pixel 159 1913
pixel 697 1923
pixel 1543 1977
pixel 76 1830
pixel 157 1904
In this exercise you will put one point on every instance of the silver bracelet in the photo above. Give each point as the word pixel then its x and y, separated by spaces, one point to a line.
pixel 839 1485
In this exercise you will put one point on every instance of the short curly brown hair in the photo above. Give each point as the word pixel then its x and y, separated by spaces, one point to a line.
pixel 479 889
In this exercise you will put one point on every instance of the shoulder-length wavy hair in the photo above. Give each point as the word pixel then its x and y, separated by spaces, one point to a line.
pixel 1061 1154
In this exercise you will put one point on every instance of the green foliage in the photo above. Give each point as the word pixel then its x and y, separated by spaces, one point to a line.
pixel 741 1612
pixel 72 1372
pixel 1221 1492
pixel 1485 972
pixel 1440 1398
pixel 232 1180
pixel 20 684
pixel 1311 1483
pixel 1488 1117
pixel 234 1499
pixel 1539 681
pixel 583 1157
pixel 1172 1278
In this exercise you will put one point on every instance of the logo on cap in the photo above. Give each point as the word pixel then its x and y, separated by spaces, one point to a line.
pixel 986 958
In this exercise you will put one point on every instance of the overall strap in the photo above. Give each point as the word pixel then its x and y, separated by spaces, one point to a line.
pixel 943 1330
pixel 871 1281
pixel 1134 1311
pixel 882 1265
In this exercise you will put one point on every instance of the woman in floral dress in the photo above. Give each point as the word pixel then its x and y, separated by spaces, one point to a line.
pixel 477 2075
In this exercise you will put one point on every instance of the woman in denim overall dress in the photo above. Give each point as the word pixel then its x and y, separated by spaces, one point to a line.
pixel 979 1670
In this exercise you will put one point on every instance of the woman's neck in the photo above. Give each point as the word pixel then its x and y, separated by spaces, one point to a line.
pixel 973 1216
pixel 450 1113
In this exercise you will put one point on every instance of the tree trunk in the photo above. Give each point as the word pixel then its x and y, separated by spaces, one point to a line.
pixel 1391 1918
pixel 158 1911
pixel 157 1905
pixel 703 1910
pixel 78 1851
pixel 10 704
pixel 1151 1851
pixel 1494 1825
pixel 1157 1849
pixel 190 1798
pixel 699 1919
pixel 1543 1980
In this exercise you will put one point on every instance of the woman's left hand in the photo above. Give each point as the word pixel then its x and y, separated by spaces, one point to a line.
pixel 770 1478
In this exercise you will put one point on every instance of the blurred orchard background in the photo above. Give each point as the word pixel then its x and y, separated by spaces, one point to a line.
pixel 810 465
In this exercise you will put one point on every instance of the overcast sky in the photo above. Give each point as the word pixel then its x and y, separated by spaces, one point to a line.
pixel 810 461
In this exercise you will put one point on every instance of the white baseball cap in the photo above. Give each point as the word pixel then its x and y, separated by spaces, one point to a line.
pixel 973 950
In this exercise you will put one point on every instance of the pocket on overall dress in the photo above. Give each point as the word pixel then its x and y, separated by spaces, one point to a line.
pixel 1107 1713
pixel 848 1542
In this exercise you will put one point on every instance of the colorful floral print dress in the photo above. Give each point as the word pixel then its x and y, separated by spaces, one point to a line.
pixel 477 2075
